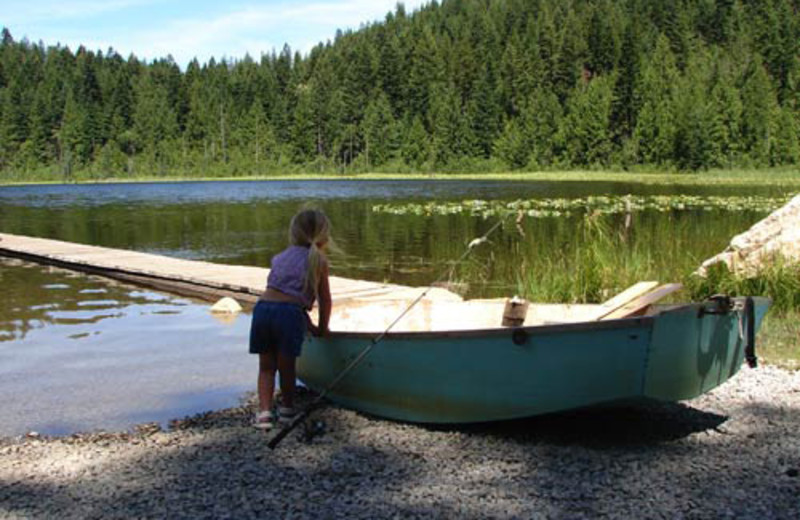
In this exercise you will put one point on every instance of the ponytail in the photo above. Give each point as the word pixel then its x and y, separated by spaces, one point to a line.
pixel 311 284
pixel 309 228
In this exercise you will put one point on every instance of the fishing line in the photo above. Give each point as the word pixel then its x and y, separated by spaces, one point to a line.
pixel 300 417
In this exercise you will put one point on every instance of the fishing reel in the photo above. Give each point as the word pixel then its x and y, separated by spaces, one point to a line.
pixel 719 304
pixel 311 430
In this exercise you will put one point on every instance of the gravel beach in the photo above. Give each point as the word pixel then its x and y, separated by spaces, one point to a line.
pixel 733 453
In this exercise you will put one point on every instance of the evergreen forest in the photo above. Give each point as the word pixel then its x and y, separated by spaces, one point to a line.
pixel 458 85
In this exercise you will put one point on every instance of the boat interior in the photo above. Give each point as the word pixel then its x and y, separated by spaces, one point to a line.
pixel 451 314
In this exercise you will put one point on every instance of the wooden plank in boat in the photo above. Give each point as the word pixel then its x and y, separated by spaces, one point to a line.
pixel 631 293
pixel 641 303
pixel 617 302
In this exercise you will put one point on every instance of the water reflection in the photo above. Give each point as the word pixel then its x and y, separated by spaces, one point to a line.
pixel 31 300
pixel 80 353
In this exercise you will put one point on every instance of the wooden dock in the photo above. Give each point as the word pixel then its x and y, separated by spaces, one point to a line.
pixel 197 279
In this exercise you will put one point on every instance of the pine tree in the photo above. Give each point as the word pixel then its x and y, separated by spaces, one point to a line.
pixel 71 141
pixel 89 100
pixel 626 104
pixel 512 146
pixel 602 42
pixel 281 114
pixel 548 43
pixel 777 35
pixel 542 119
pixel 693 118
pixel 483 114
pixel 380 131
pixel 759 107
pixel 516 82
pixel 571 55
pixel 719 27
pixel 415 149
pixel 654 134
pixel 39 138
pixel 155 123
pixel 451 133
pixel 390 68
pixel 303 132
pixel 327 107
pixel 584 131
pixel 119 107
pixel 675 21
pixel 253 141
pixel 785 143
pixel 725 115
pixel 424 71
pixel 14 122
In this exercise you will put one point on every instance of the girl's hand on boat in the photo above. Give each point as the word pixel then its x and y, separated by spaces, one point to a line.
pixel 315 331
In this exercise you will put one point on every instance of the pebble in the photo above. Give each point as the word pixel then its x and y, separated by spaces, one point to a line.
pixel 733 453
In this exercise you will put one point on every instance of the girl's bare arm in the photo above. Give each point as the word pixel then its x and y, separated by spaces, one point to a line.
pixel 325 302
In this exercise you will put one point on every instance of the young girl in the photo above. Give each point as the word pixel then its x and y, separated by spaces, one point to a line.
pixel 298 276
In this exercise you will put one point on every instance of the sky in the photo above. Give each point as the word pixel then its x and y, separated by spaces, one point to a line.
pixel 201 29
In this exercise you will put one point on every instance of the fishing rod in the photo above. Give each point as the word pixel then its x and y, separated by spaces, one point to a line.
pixel 300 417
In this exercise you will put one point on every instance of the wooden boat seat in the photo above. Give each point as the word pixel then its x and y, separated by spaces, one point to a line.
pixel 633 301
pixel 631 293
pixel 640 304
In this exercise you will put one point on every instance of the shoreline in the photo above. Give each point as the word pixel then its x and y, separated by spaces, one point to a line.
pixel 731 452
pixel 731 178
pixel 247 404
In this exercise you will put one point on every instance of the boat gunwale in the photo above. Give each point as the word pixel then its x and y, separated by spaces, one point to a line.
pixel 578 326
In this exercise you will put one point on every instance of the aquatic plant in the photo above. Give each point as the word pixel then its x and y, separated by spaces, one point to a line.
pixel 599 204
pixel 602 257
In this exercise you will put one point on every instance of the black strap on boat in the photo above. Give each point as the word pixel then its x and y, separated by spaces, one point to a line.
pixel 316 403
pixel 750 319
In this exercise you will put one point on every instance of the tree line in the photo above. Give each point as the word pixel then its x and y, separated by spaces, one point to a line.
pixel 461 85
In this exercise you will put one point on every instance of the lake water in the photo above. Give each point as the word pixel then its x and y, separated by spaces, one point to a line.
pixel 79 352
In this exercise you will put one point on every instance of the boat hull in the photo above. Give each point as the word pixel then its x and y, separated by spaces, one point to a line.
pixel 497 374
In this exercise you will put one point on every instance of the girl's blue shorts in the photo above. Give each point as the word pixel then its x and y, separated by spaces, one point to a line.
pixel 278 325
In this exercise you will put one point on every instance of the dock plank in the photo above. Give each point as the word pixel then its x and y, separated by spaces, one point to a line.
pixel 188 277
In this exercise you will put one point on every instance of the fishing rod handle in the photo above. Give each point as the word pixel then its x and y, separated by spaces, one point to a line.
pixel 286 430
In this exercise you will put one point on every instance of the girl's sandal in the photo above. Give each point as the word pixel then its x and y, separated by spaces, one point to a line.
pixel 286 414
pixel 264 420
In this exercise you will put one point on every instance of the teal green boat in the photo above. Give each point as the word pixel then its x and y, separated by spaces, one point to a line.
pixel 452 362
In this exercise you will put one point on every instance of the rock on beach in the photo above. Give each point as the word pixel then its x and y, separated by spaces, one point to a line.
pixel 775 238
pixel 732 453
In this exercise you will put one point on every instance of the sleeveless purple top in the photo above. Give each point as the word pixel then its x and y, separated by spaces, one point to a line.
pixel 288 274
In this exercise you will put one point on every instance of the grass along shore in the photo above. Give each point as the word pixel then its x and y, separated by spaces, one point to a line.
pixel 778 341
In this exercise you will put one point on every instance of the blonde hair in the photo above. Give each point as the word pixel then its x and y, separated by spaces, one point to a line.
pixel 309 228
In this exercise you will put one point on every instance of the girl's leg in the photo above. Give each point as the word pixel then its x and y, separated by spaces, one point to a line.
pixel 267 364
pixel 287 374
